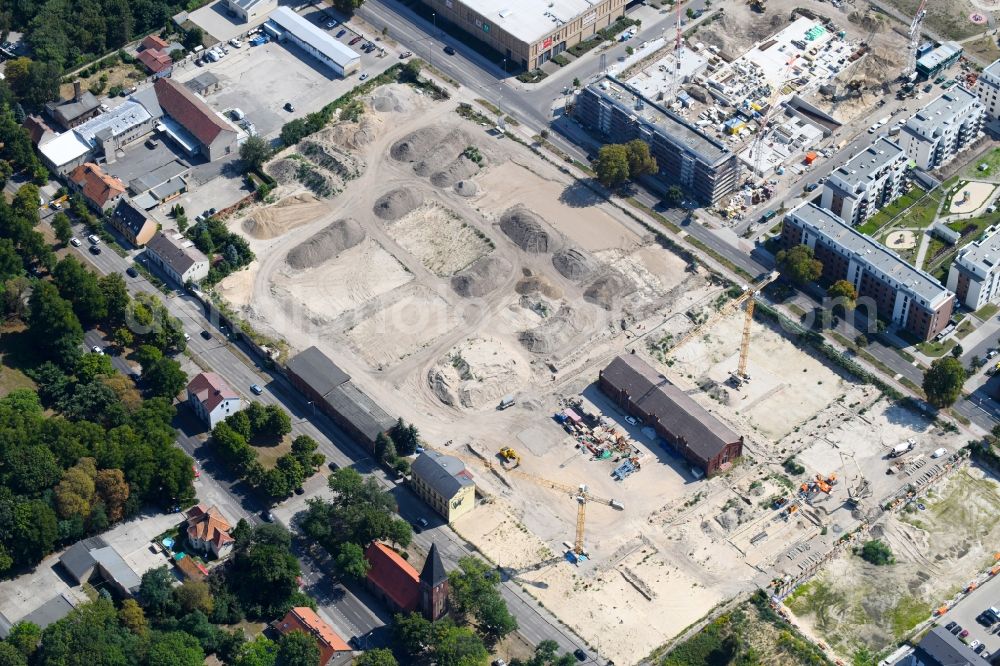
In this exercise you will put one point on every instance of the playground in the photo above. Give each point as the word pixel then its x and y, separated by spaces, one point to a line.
pixel 970 197
pixel 901 240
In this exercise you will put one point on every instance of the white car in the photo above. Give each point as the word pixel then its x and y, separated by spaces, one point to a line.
pixel 97 350
pixel 631 420
pixel 94 240
pixel 235 43
pixel 363 77
pixel 75 242
pixel 939 453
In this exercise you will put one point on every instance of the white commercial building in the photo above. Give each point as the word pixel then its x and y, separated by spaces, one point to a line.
pixel 101 135
pixel 974 274
pixel 865 183
pixel 988 89
pixel 943 128
pixel 248 10
pixel 315 41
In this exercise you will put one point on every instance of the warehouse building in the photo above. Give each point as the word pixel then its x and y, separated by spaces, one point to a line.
pixel 330 390
pixel 943 128
pixel 974 276
pixel 617 113
pixel 178 258
pixel 444 483
pixel 249 10
pixel 192 124
pixel 529 33
pixel 636 387
pixel 865 183
pixel 315 41
pixel 903 295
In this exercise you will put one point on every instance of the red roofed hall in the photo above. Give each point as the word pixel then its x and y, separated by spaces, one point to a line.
pixel 305 619
pixel 211 398
pixel 99 189
pixel 392 578
pixel 156 61
pixel 154 42
pixel 214 135
pixel 208 531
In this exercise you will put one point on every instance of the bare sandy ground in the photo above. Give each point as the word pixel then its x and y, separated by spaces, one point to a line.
pixel 439 239
pixel 289 213
pixel 978 194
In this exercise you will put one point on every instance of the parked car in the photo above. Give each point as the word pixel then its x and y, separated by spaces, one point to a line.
pixel 97 350
pixel 631 420
pixel 75 242
pixel 131 272
pixel 405 54
pixel 974 644
pixel 300 491
pixel 950 625
pixel 341 33
pixel 267 516
pixel 956 630
pixel 449 50
pixel 331 24
pixel 811 187
pixel 235 43
pixel 363 76
pixel 963 633
pixel 333 466
pixel 979 648
pixel 580 654
pixel 197 472
pixel 354 41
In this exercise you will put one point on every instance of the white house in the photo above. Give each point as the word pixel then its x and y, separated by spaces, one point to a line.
pixel 178 258
pixel 943 128
pixel 208 531
pixel 211 398
pixel 248 10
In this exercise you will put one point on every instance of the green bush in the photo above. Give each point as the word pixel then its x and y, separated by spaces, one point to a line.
pixel 877 552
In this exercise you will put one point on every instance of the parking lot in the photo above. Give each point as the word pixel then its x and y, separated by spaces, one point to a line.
pixel 988 594
pixel 213 19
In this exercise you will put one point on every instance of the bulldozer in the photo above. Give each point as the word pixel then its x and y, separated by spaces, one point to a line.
pixel 509 455
pixel 758 5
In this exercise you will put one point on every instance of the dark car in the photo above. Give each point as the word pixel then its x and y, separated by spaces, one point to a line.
pixel 288 107
pixel 205 334
pixel 131 272
pixel 354 41
pixel 950 625
pixel 449 50
pixel 580 654
pixel 341 33
pixel 266 516
pixel 979 648
pixel 300 491
pixel 95 249
pixel 956 629
pixel 333 466
pixel 811 187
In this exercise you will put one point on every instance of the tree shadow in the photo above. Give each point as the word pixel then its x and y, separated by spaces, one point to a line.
pixel 582 194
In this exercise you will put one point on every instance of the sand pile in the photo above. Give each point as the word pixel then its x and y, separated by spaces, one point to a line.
pixel 395 98
pixel 398 203
pixel 351 135
pixel 283 170
pixel 429 147
pixel 552 334
pixel 532 285
pixel 478 373
pixel 327 244
pixel 458 170
pixel 608 290
pixel 527 230
pixel 282 217
pixel 482 277
pixel 467 188
pixel 574 264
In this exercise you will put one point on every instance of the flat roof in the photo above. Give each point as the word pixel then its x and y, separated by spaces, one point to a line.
pixel 864 166
pixel 942 110
pixel 939 55
pixel 314 36
pixel 64 148
pixel 78 141
pixel 672 127
pixel 992 71
pixel 157 176
pixel 822 222
pixel 983 255
pixel 316 369
pixel 530 21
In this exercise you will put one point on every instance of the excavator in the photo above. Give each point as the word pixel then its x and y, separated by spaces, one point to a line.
pixel 509 455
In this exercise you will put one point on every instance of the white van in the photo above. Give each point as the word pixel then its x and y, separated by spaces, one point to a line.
pixel 939 453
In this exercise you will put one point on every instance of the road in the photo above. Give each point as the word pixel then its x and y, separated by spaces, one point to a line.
pixel 232 362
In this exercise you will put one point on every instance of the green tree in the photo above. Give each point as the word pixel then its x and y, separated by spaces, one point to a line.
pixel 33 531
pixel 674 197
pixel 411 71
pixel 261 651
pixel 351 560
pixel 348 6
pixel 844 293
pixel 53 326
pixel 174 648
pixel 264 575
pixel 193 38
pixel 254 152
pixel 132 617
pixel 475 591
pixel 156 592
pixel 62 227
pixel 943 382
pixel 25 636
pixel 116 298
pixel 376 657
pixel 9 656
pixel 799 264
pixel 90 366
pixel 612 165
pixel 640 162
pixel 877 552
pixel 297 648
pixel 164 377
pixel 194 595
pixel 957 351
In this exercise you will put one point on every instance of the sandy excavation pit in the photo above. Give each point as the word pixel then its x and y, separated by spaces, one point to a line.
pixel 479 372
pixel 440 239
pixel 289 213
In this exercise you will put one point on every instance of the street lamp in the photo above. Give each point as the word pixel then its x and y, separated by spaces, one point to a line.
pixel 433 33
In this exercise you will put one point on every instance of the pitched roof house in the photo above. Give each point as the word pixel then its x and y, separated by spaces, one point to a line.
pixel 177 257
pixel 444 482
pixel 208 531
pixel 305 619
pixel 392 578
pixel 156 61
pixel 211 398
pixel 132 222
pixel 99 189
pixel 154 42
pixel 215 136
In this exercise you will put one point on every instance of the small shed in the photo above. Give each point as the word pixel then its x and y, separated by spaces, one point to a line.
pixel 572 416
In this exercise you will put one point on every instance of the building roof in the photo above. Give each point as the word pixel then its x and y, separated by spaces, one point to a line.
pixel 77 560
pixel 189 567
pixel 357 407
pixel 983 255
pixel 180 254
pixel 70 145
pixel 37 128
pixel 893 268
pixel 445 474
pixel 317 370
pixel 951 106
pixel 48 613
pixel 97 186
pixel 207 524
pixel 157 177
pixel 192 113
pixel 130 216
pixel 940 648
pixel 433 572
pixel 866 166
pixel 670 126
pixel 939 55
pixel 305 619
pixel 531 21
pixel 156 60
pixel 210 390
pixel 688 421
pixel 82 557
pixel 246 5
pixel 393 576
pixel 154 42
pixel 114 567
pixel 202 82
pixel 68 110
pixel 991 74
pixel 314 36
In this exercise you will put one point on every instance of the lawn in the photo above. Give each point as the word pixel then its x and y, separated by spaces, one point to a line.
pixel 935 349
pixel 991 159
pixel 15 356
pixel 268 454
pixel 964 329
pixel 987 311
pixel 887 214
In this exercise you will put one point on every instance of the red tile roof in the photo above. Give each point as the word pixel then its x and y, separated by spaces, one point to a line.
pixel 189 568
pixel 305 619
pixel 207 524
pixel 393 575
pixel 97 186
pixel 210 389
pixel 155 60
pixel 196 116
pixel 154 42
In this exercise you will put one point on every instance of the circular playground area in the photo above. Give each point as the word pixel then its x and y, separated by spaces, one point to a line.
pixel 971 196
pixel 901 240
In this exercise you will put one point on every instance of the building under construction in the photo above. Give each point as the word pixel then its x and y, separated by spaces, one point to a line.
pixel 640 390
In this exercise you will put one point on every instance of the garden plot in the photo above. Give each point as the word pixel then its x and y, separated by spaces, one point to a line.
pixel 440 239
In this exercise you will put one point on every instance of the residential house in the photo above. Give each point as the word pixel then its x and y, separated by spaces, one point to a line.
pixel 866 183
pixel 212 399
pixel 943 128
pixel 75 111
pixel 974 276
pixel 177 257
pixel 208 532
pixel 939 647
pixel 444 483
pixel 305 619
pixel 100 190
pixel 132 222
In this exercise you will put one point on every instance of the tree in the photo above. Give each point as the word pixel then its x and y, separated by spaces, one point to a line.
pixel 843 294
pixel 351 560
pixel 261 651
pixel 62 227
pixel 75 492
pixel 254 152
pixel 347 6
pixel 674 197
pixel 640 162
pixel 9 656
pixel 411 71
pixel 164 377
pixel 277 422
pixel 612 165
pixel 263 574
pixel 576 83
pixel 799 264
pixel 297 648
pixel 376 657
pixel 943 382
pixel 91 366
pixel 175 648
pixel 877 552
pixel 25 636
pixel 113 491
pixel 156 592
pixel 193 38
pixel 116 298
pixel 133 617
pixel 957 351
pixel 475 590
pixel 194 595
pixel 53 326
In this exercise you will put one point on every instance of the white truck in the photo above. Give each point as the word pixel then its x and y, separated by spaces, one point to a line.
pixel 905 447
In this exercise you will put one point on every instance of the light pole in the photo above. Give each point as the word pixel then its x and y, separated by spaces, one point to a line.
pixel 433 33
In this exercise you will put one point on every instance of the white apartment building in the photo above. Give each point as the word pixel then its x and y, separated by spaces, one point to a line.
pixel 865 183
pixel 974 273
pixel 943 128
pixel 988 89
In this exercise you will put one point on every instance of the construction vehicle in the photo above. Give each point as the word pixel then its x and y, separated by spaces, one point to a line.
pixel 905 447
pixel 758 6
pixel 508 454
pixel 748 295
pixel 910 71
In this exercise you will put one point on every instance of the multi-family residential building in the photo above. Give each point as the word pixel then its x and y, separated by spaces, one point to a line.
pixel 208 531
pixel 943 128
pixel 686 156
pixel 529 33
pixel 177 257
pixel 988 89
pixel 444 483
pixel 99 189
pixel 901 294
pixel 212 399
pixel 863 184
pixel 974 274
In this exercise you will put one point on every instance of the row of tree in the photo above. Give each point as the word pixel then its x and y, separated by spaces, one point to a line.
pixel 391 449
pixel 617 163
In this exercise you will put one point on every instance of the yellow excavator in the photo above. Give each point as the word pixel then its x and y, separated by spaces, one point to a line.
pixel 509 455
